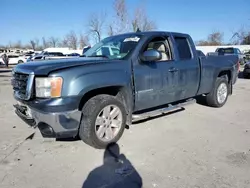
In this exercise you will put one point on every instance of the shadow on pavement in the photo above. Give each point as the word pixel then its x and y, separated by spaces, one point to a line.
pixel 5 70
pixel 240 75
pixel 116 172
pixel 4 76
pixel 71 139
pixel 201 100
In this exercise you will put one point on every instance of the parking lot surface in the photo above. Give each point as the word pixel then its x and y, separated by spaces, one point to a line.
pixel 196 147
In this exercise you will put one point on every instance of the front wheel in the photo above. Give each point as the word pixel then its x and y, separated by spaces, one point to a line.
pixel 20 61
pixel 219 94
pixel 103 121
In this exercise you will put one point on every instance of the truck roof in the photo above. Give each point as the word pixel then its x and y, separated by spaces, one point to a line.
pixel 148 33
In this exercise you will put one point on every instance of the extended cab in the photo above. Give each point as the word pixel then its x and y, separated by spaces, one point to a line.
pixel 96 96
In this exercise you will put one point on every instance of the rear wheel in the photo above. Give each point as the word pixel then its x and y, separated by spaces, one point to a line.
pixel 103 121
pixel 218 96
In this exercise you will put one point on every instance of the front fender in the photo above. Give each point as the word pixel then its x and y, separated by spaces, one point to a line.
pixel 94 80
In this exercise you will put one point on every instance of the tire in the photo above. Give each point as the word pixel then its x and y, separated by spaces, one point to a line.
pixel 91 111
pixel 212 98
pixel 245 75
pixel 20 61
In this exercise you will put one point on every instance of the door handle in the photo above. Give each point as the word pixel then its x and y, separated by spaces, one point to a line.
pixel 172 70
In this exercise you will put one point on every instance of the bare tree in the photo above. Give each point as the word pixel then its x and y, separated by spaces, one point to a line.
pixel 83 41
pixel 72 40
pixel 18 44
pixel 246 39
pixel 95 25
pixel 110 30
pixel 63 43
pixel 242 36
pixel 121 17
pixel 37 41
pixel 33 44
pixel 45 43
pixel 53 41
pixel 141 21
pixel 213 39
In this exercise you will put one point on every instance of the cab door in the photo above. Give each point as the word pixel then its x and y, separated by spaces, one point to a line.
pixel 188 68
pixel 155 82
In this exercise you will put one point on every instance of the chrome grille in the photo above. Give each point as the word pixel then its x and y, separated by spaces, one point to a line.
pixel 22 85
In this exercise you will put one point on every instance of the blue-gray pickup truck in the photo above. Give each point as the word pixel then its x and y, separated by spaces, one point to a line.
pixel 96 96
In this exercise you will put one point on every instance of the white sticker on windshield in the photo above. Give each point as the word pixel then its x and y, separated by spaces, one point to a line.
pixel 134 39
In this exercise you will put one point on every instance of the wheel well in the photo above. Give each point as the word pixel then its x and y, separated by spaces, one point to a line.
pixel 226 73
pixel 112 90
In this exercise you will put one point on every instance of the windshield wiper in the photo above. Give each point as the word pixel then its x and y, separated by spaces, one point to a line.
pixel 104 56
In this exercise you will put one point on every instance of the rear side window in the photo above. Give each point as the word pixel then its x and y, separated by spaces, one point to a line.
pixel 183 48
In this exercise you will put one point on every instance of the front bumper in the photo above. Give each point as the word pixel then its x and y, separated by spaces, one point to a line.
pixel 54 121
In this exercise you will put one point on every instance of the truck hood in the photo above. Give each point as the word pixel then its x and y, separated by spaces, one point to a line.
pixel 47 66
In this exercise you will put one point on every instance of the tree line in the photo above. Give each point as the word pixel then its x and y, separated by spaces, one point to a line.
pixel 97 26
pixel 241 37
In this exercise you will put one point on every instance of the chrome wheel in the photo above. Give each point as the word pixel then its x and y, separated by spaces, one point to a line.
pixel 222 93
pixel 108 123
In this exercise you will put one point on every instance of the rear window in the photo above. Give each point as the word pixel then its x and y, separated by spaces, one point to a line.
pixel 183 48
pixel 225 50
pixel 13 56
pixel 55 54
pixel 200 53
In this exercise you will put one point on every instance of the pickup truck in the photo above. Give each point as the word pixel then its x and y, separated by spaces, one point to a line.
pixel 230 51
pixel 96 96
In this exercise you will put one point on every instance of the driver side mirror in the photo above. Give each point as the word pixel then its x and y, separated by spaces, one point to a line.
pixel 151 55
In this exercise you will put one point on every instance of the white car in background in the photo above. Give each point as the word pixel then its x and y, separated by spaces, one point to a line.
pixel 25 57
pixel 13 59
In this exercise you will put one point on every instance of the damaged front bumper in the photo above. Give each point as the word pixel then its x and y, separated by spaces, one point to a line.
pixel 54 121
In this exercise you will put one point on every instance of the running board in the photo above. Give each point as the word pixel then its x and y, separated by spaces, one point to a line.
pixel 162 110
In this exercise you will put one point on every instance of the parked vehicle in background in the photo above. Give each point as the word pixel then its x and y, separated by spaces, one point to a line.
pixel 200 53
pixel 25 57
pixel 246 71
pixel 121 79
pixel 13 59
pixel 44 55
pixel 73 54
pixel 85 49
pixel 247 54
pixel 230 51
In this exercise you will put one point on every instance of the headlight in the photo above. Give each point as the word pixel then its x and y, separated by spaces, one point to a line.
pixel 49 87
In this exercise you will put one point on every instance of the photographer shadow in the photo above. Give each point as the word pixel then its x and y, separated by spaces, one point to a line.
pixel 116 171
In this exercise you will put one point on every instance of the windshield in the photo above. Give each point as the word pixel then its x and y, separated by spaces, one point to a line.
pixel 116 47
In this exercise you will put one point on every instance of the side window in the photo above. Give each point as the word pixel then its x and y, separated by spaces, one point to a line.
pixel 39 57
pixel 238 51
pixel 105 51
pixel 183 48
pixel 161 45
pixel 115 51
